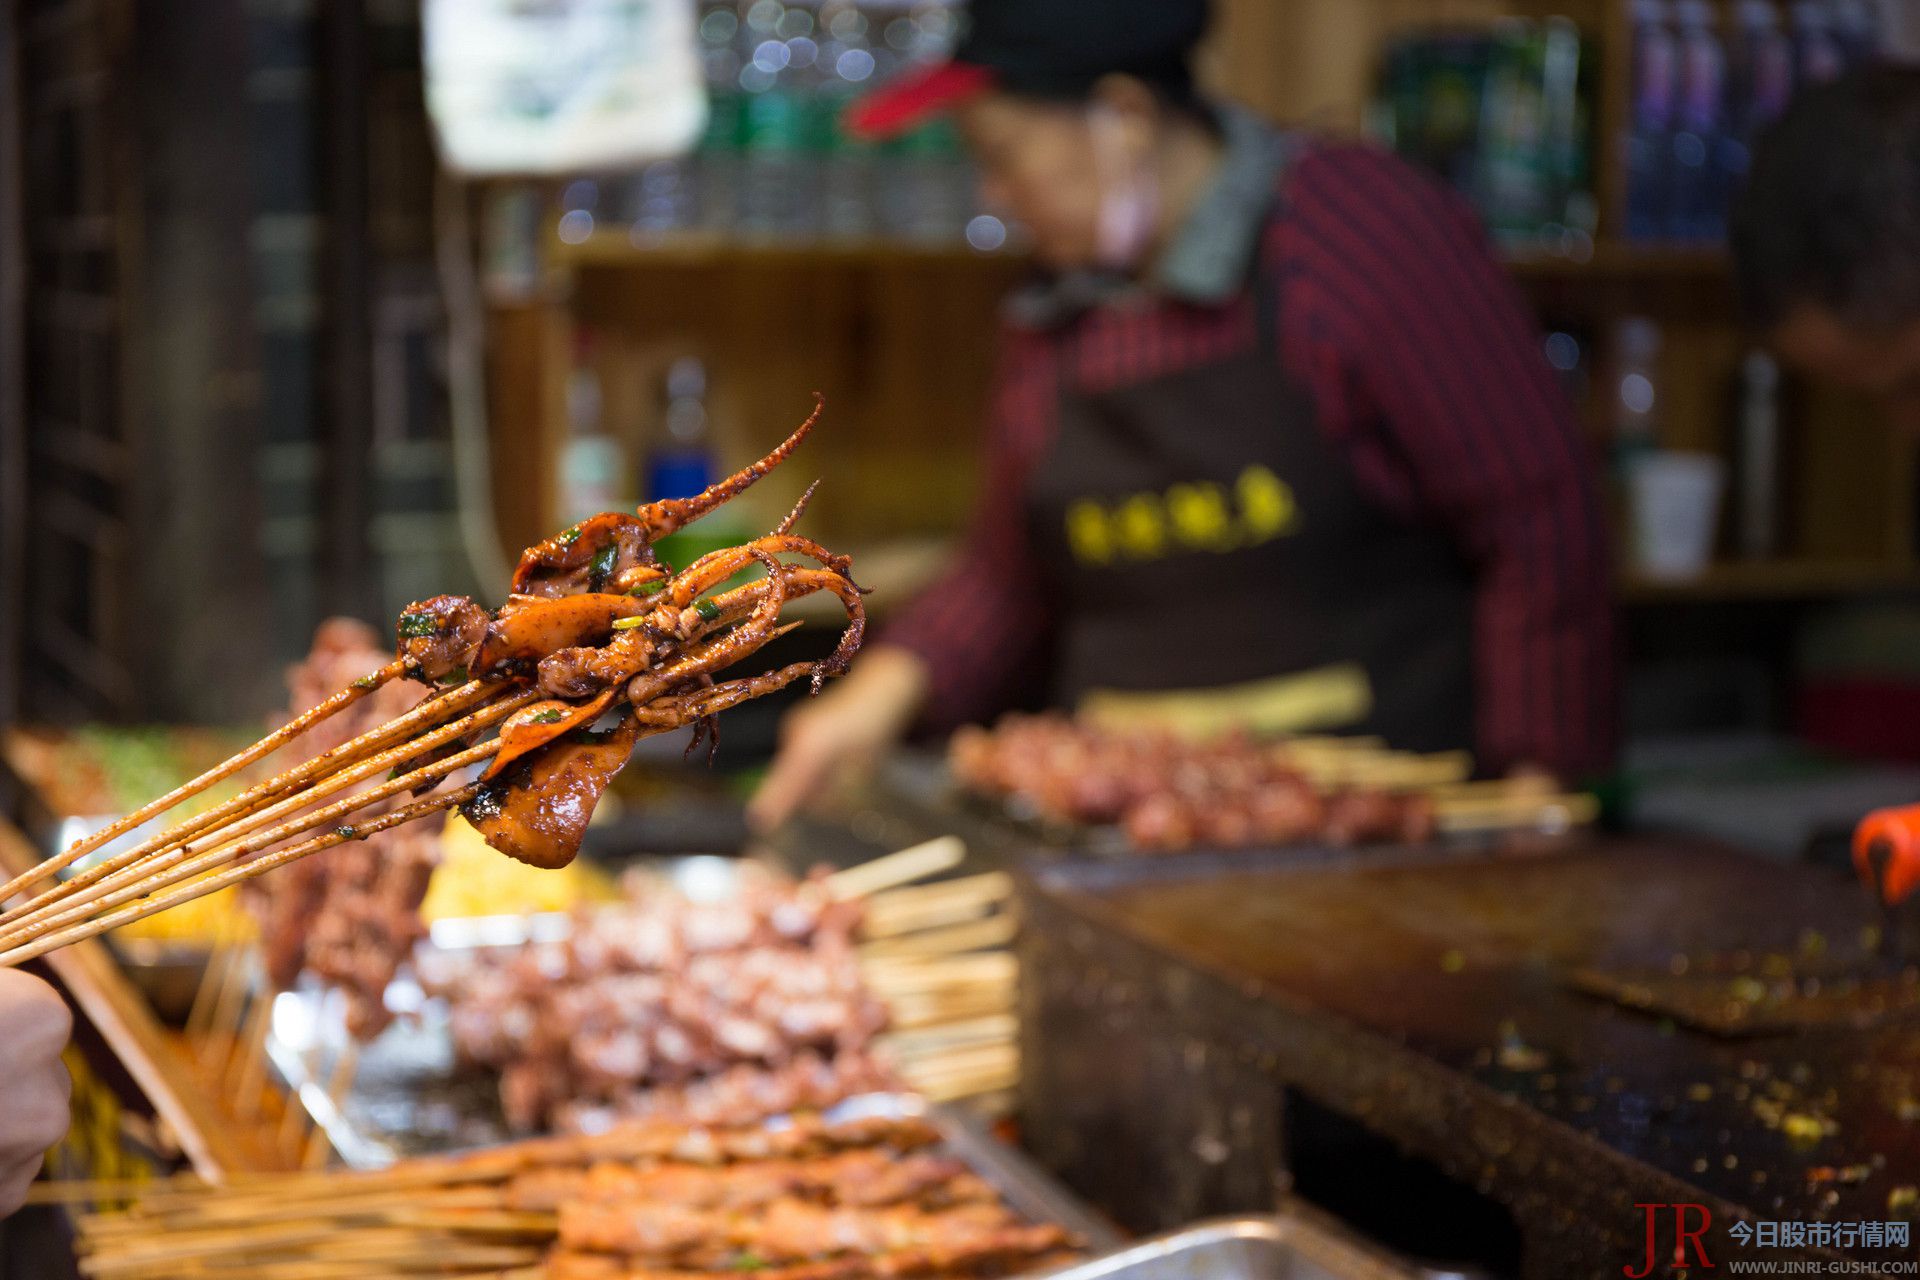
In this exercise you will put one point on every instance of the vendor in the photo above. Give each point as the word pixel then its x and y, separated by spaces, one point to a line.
pixel 1827 235
pixel 1274 431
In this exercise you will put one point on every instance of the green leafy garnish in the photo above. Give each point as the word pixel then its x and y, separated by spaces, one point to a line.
pixel 549 716
pixel 417 624
pixel 747 1262
pixel 653 588
pixel 706 609
pixel 601 565
pixel 628 624
pixel 364 682
pixel 456 676
pixel 345 833
pixel 570 537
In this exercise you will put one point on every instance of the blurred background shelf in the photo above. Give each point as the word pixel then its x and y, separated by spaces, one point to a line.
pixel 615 249
pixel 1609 259
pixel 1799 579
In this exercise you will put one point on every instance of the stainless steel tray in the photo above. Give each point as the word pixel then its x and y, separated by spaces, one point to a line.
pixel 406 1095
pixel 1294 1245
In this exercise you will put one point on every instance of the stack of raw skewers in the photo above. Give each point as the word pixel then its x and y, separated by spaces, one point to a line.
pixel 807 1201
pixel 779 996
pixel 1167 791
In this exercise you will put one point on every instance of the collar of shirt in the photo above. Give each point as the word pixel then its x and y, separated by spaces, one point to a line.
pixel 1208 258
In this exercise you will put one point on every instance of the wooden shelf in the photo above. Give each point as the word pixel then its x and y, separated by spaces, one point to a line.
pixel 695 249
pixel 1624 261
pixel 1606 259
pixel 1789 579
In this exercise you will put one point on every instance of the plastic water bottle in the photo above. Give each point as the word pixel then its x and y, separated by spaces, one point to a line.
pixel 849 170
pixel 1650 136
pixel 775 174
pixel 591 463
pixel 1699 192
pixel 717 163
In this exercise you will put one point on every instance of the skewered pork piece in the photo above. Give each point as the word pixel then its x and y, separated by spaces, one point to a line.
pixel 1169 793
pixel 811 1201
pixel 350 916
pixel 872 1210
pixel 600 645
pixel 752 1005
pixel 860 1177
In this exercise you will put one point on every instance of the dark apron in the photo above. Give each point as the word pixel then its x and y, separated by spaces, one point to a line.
pixel 1202 532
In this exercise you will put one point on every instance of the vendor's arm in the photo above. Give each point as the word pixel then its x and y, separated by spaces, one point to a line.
pixel 963 647
pixel 1429 366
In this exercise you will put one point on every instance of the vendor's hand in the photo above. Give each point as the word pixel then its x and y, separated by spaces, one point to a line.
pixel 840 734
pixel 34 1026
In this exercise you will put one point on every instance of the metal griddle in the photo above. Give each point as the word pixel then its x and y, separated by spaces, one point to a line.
pixel 1169 1007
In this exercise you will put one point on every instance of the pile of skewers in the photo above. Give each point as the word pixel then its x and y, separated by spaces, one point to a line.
pixel 809 1201
pixel 600 645
pixel 783 997
pixel 1165 792
pixel 772 998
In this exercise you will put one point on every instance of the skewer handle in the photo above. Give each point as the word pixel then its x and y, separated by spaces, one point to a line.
pixel 917 862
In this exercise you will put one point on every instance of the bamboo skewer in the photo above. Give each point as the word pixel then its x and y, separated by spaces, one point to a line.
pixel 942 853
pixel 19 950
pixel 223 1026
pixel 187 790
pixel 339 1083
pixel 994 931
pixel 109 889
pixel 206 996
pixel 950 902
pixel 1544 813
pixel 248 1074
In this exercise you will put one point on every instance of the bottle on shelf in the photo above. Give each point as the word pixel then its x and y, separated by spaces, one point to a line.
pixel 592 464
pixel 717 162
pixel 1649 140
pixel 684 459
pixel 1512 182
pixel 1699 191
pixel 1633 401
pixel 848 170
pixel 1757 528
pixel 775 176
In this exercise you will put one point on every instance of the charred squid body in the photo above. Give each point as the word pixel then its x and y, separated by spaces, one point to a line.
pixel 528 628
pixel 438 637
pixel 538 811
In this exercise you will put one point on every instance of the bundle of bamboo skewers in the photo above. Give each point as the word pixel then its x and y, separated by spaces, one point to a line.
pixel 500 1212
pixel 652 639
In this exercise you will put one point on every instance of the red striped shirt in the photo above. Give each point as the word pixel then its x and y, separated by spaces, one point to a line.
pixel 1427 373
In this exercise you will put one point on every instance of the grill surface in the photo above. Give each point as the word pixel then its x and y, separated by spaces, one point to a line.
pixel 1168 1004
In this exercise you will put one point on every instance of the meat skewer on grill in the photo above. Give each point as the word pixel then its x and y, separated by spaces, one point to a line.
pixel 600 645
pixel 810 1201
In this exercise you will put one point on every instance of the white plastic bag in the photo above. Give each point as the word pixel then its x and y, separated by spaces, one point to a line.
pixel 559 86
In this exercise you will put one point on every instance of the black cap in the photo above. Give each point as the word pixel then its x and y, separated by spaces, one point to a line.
pixel 1046 48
